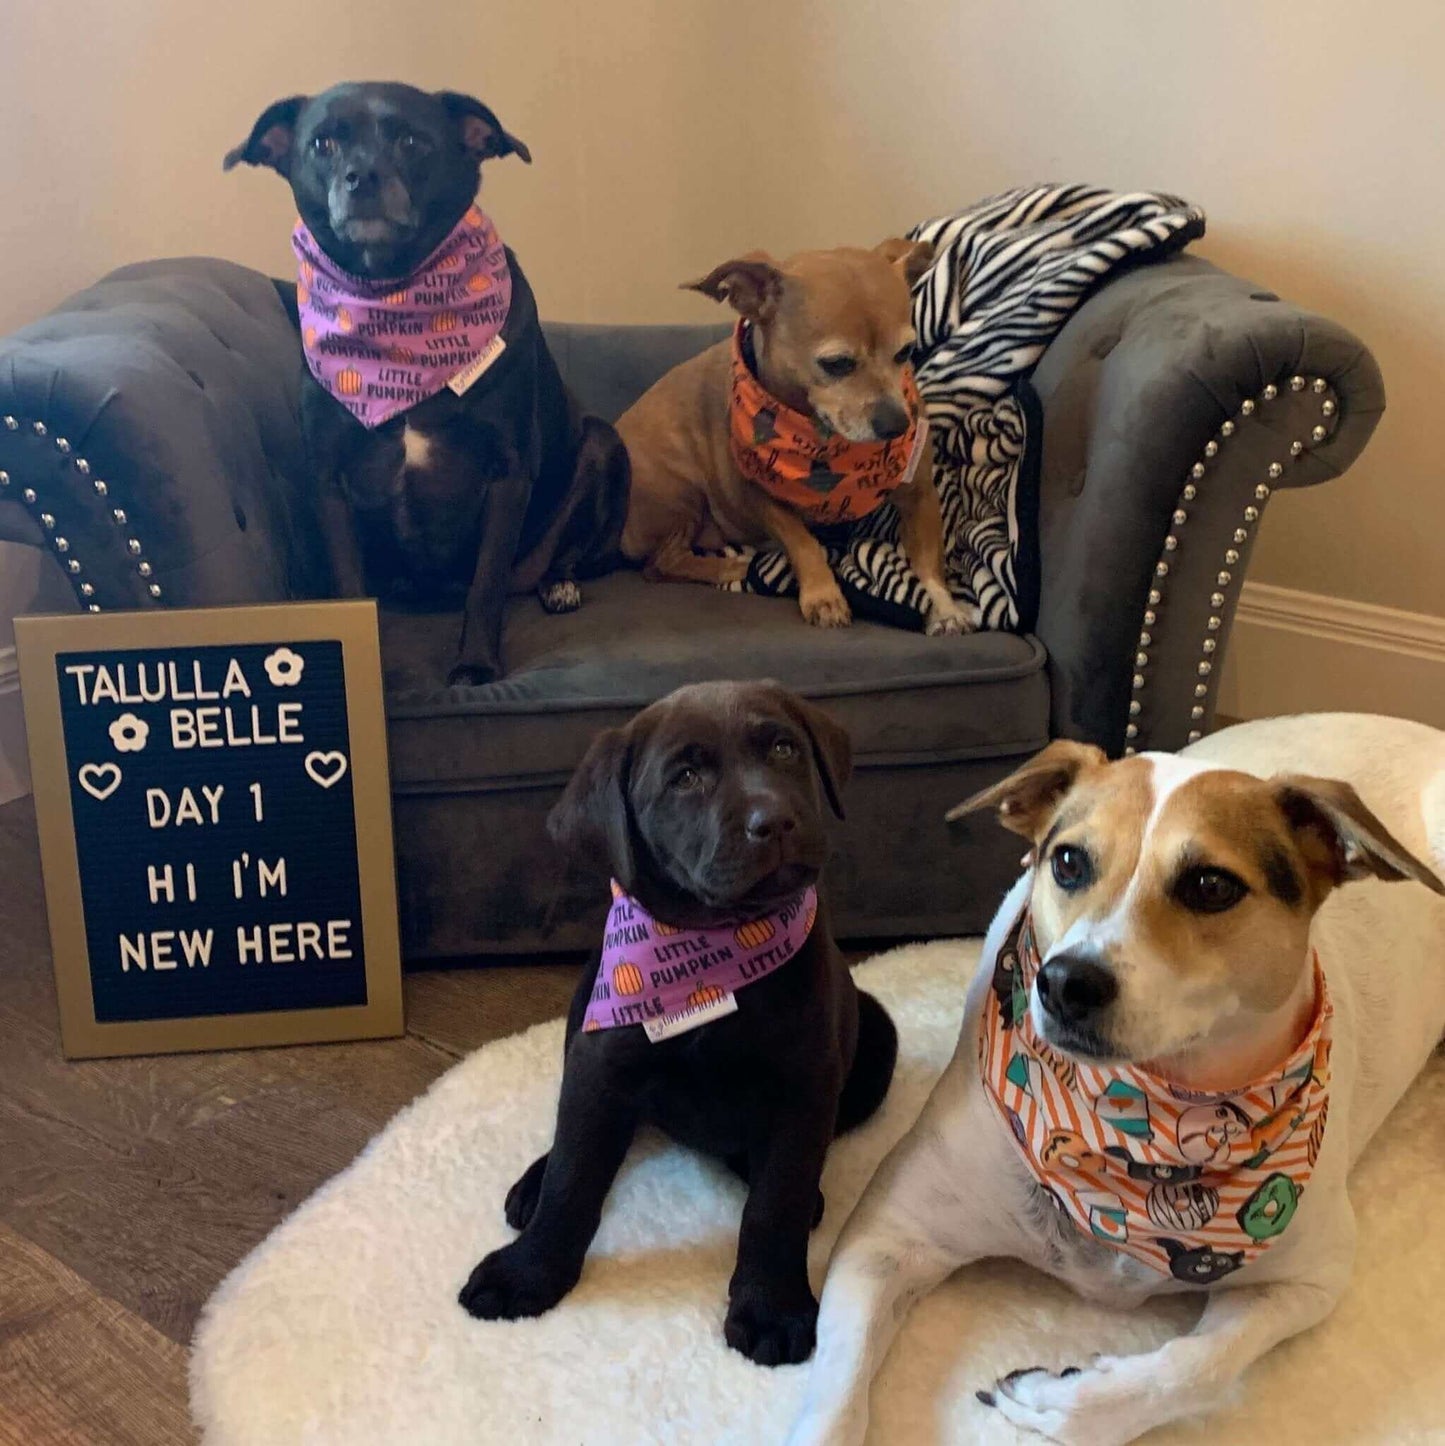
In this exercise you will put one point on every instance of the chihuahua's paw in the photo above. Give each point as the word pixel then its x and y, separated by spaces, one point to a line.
pixel 563 596
pixel 951 620
pixel 521 1202
pixel 770 1328
pixel 512 1283
pixel 826 609
pixel 1077 1407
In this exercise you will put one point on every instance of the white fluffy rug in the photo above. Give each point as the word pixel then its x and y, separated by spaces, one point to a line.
pixel 343 1326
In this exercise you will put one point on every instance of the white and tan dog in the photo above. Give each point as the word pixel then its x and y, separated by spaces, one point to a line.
pixel 1177 908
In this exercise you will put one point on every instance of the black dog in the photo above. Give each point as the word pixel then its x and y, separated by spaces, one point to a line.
pixel 708 809
pixel 501 489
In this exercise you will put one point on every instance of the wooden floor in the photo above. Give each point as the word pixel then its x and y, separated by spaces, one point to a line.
pixel 129 1188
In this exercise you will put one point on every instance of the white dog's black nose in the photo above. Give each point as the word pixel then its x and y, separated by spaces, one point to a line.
pixel 1075 990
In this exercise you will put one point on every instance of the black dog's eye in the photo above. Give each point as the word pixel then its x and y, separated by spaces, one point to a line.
pixel 902 356
pixel 1072 868
pixel 323 145
pixel 686 779
pixel 1209 891
pixel 409 141
pixel 837 366
pixel 784 750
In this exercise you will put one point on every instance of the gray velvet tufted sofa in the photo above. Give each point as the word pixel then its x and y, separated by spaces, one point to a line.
pixel 150 446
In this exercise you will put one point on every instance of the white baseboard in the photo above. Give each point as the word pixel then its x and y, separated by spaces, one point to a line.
pixel 1304 652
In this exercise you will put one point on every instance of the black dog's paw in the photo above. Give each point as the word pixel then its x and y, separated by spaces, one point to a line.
pixel 473 674
pixel 771 1330
pixel 563 596
pixel 511 1284
pixel 523 1196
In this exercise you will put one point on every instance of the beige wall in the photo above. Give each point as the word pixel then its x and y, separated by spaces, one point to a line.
pixel 670 133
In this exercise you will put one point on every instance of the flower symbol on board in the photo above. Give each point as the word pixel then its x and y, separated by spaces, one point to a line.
pixel 284 668
pixel 128 734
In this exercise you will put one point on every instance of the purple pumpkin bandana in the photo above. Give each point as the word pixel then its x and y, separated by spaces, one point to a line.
pixel 380 347
pixel 670 980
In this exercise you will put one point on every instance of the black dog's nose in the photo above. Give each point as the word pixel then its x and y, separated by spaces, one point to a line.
pixel 890 420
pixel 1074 990
pixel 361 180
pixel 769 821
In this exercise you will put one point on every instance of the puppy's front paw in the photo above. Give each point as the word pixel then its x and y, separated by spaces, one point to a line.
pixel 1078 1407
pixel 512 1283
pixel 521 1202
pixel 772 1328
pixel 826 609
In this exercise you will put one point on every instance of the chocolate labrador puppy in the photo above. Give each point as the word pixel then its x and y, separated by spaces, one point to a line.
pixel 494 483
pixel 708 810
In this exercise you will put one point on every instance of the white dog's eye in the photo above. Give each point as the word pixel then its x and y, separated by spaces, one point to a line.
pixel 1209 891
pixel 1072 867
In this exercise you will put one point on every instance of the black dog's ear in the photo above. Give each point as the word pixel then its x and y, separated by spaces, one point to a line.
pixel 481 132
pixel 832 748
pixel 271 138
pixel 591 821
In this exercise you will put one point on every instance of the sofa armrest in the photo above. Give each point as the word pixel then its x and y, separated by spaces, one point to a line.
pixel 1176 400
pixel 150 439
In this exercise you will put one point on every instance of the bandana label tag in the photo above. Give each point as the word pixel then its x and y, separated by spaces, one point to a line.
pixel 692 1018
pixel 465 378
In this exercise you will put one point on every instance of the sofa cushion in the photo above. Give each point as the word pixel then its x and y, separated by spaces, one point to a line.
pixel 905 697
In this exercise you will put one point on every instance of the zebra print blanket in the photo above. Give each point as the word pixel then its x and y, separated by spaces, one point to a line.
pixel 1007 275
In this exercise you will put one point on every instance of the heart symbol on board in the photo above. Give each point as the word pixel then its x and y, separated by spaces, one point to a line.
pixel 325 768
pixel 99 780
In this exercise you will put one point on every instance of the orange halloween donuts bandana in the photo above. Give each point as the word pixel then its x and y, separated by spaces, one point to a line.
pixel 1194 1185
pixel 824 479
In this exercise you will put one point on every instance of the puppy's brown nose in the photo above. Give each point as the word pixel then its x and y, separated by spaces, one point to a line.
pixel 890 419
pixel 1074 990
pixel 767 821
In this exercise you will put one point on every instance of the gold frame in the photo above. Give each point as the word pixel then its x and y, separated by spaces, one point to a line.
pixel 38 640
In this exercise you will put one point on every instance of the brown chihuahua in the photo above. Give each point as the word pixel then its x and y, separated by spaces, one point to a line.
pixel 806 418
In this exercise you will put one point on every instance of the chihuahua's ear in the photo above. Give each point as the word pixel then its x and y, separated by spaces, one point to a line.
pixel 1340 839
pixel 909 258
pixel 482 134
pixel 1026 799
pixel 592 821
pixel 752 285
pixel 832 747
pixel 271 138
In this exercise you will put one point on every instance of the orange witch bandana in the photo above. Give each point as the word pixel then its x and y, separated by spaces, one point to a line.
pixel 825 479
pixel 1194 1185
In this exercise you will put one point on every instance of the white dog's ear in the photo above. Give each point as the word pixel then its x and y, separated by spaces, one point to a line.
pixel 1027 797
pixel 1340 838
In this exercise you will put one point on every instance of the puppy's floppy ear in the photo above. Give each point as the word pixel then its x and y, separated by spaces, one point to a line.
pixel 1340 838
pixel 592 821
pixel 832 747
pixel 752 285
pixel 481 132
pixel 909 258
pixel 1026 798
pixel 271 138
